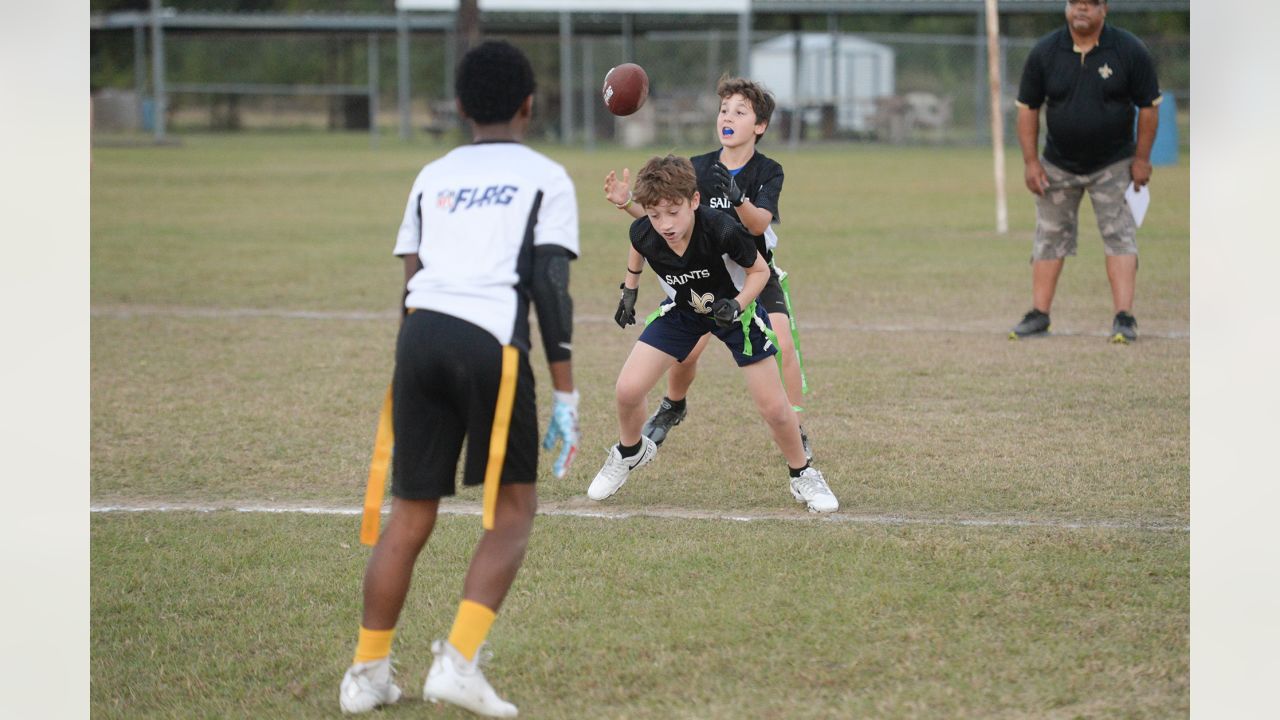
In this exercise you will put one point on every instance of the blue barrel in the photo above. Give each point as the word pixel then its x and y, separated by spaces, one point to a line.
pixel 1165 149
pixel 149 115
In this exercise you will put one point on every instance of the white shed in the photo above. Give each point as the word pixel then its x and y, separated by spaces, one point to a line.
pixel 864 71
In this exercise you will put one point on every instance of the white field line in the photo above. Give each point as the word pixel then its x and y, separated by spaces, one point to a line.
pixel 575 508
pixel 129 311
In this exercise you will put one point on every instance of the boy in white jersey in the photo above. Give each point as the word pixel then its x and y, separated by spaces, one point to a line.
pixel 488 227
pixel 712 274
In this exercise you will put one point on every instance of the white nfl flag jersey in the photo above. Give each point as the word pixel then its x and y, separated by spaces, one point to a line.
pixel 473 218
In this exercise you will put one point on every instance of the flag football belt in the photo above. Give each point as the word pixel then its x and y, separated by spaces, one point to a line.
pixel 747 317
pixel 383 440
pixel 785 282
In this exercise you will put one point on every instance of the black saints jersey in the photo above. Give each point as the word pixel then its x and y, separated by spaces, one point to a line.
pixel 712 266
pixel 760 181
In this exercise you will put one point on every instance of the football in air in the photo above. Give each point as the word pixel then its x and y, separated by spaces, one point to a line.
pixel 626 87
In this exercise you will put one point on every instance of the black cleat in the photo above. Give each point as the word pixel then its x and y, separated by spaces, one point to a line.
pixel 1124 329
pixel 1034 324
pixel 808 447
pixel 661 422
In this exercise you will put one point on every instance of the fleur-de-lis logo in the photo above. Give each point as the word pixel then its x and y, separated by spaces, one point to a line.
pixel 701 303
pixel 1105 71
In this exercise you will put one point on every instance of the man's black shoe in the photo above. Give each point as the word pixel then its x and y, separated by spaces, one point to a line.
pixel 1124 329
pixel 1033 323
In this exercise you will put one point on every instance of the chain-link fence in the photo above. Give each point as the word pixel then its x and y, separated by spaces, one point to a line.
pixel 884 87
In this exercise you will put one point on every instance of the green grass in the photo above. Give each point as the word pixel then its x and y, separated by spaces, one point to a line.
pixel 921 408
pixel 239 409
pixel 655 619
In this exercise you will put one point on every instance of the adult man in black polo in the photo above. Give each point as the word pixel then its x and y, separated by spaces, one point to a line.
pixel 1089 76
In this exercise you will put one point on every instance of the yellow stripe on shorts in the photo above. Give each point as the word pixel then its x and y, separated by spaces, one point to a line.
pixel 498 438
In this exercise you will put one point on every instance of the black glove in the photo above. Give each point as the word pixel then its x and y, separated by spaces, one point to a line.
pixel 723 183
pixel 626 314
pixel 725 312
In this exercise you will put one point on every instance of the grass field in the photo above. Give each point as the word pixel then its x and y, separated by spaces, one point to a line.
pixel 1012 539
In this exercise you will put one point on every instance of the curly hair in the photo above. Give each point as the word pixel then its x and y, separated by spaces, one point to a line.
pixel 669 178
pixel 492 81
pixel 761 100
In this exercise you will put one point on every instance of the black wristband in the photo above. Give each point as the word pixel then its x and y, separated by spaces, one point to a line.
pixel 636 272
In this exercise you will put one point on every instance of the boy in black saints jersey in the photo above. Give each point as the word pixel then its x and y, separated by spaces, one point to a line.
pixel 712 274
pixel 738 180
pixel 488 230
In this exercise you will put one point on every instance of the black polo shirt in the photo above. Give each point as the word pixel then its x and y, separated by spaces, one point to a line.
pixel 711 266
pixel 760 181
pixel 1089 101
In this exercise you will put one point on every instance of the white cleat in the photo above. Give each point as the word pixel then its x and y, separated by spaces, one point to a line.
pixel 367 686
pixel 811 489
pixel 456 680
pixel 616 470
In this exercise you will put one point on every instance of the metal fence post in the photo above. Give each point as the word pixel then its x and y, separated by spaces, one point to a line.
pixel 373 89
pixel 833 27
pixel 797 61
pixel 140 66
pixel 980 117
pixel 628 39
pixel 566 79
pixel 159 102
pixel 588 95
pixel 402 74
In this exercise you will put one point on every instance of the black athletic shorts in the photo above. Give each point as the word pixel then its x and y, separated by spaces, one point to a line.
pixel 446 388
pixel 771 298
pixel 678 330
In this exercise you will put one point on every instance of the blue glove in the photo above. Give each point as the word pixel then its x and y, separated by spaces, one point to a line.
pixel 563 428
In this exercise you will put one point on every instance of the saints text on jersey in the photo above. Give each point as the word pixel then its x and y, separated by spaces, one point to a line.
pixel 683 278
pixel 467 198
pixel 722 203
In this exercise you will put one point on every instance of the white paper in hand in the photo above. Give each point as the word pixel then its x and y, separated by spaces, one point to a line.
pixel 1137 199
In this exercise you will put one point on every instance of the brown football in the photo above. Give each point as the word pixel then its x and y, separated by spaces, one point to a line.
pixel 626 87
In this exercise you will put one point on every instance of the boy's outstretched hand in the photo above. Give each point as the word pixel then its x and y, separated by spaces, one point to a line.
pixel 617 191
pixel 563 428
pixel 722 181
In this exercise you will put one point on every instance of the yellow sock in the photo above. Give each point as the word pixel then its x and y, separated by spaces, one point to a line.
pixel 470 628
pixel 373 645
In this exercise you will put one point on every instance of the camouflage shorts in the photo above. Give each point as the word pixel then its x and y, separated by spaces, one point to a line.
pixel 1058 210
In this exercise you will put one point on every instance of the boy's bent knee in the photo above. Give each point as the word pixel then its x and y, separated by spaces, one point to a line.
pixel 629 393
pixel 777 414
